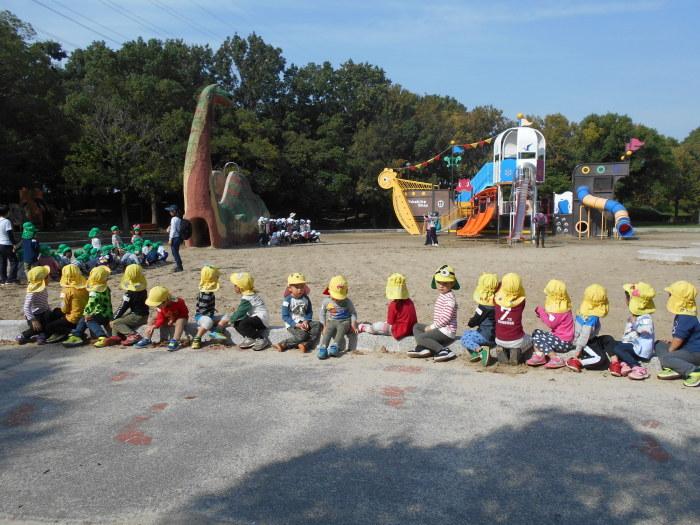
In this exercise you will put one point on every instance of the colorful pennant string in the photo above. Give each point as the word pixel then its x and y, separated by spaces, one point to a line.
pixel 439 156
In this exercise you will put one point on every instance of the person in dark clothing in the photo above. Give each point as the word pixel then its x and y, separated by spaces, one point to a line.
pixel 7 249
pixel 540 222
pixel 133 310
pixel 482 323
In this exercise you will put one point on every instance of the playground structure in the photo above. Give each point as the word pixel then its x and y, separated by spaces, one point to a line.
pixel 220 205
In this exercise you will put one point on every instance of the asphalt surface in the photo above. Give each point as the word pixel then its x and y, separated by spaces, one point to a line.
pixel 231 436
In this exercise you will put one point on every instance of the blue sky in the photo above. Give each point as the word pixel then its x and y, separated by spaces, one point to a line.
pixel 640 58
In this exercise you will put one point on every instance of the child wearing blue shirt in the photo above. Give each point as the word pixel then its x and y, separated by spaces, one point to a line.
pixel 297 315
pixel 30 247
pixel 338 317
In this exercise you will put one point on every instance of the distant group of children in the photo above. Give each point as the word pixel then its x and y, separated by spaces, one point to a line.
pixel 280 231
pixel 495 330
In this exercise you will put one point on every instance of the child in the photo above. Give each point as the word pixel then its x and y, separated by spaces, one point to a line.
pixel 116 239
pixel 75 297
pixel 680 357
pixel 170 321
pixel 124 324
pixel 36 306
pixel 94 236
pixel 162 254
pixel 557 315
pixel 136 233
pixel 511 340
pixel 129 256
pixel 638 340
pixel 297 315
pixel 30 247
pixel 65 255
pixel 435 338
pixel 7 248
pixel 591 348
pixel 480 339
pixel 251 318
pixel 338 317
pixel 401 314
pixel 47 259
pixel 97 312
pixel 150 253
pixel 205 313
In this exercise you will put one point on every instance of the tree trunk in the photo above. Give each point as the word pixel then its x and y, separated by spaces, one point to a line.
pixel 154 209
pixel 676 203
pixel 125 213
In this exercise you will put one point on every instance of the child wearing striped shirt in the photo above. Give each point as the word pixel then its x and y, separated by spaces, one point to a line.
pixel 205 310
pixel 36 305
pixel 434 339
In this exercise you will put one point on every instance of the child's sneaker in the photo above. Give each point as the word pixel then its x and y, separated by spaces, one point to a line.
pixel 322 352
pixel 515 354
pixel 40 339
pixel 555 362
pixel 615 368
pixel 444 355
pixel 21 340
pixel 474 356
pixel 261 344
pixel 246 343
pixel 280 347
pixel 537 360
pixel 173 345
pixel 56 338
pixel 625 369
pixel 303 347
pixel 108 341
pixel 196 343
pixel 131 339
pixel 73 341
pixel 333 350
pixel 638 373
pixel 419 351
pixel 485 355
pixel 668 373
pixel 143 342
pixel 217 336
pixel 692 380
pixel 574 364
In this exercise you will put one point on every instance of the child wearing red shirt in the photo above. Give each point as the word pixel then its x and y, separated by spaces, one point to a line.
pixel 171 318
pixel 401 313
pixel 511 340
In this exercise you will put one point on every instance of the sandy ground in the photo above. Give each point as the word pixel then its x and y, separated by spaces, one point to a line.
pixel 366 259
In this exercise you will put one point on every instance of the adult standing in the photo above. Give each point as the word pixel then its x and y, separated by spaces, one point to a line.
pixel 7 248
pixel 540 222
pixel 175 238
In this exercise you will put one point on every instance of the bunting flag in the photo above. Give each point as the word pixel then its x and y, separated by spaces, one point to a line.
pixel 453 148
pixel 633 145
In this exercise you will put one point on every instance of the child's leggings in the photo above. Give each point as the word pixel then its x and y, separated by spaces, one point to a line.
pixel 44 319
pixel 434 340
pixel 594 355
pixel 299 335
pixel 548 342
pixel 335 329
pixel 682 361
pixel 472 340
pixel 378 328
pixel 251 327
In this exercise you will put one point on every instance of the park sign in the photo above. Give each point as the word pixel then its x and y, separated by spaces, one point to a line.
pixel 423 202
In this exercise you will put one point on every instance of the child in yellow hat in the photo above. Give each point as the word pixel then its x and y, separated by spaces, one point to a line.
pixel 36 305
pixel 170 320
pixel 434 339
pixel 509 304
pixel 338 317
pixel 557 315
pixel 680 357
pixel 251 319
pixel 637 342
pixel 133 310
pixel 75 296
pixel 591 349
pixel 480 338
pixel 401 312
pixel 97 312
pixel 205 311
pixel 297 314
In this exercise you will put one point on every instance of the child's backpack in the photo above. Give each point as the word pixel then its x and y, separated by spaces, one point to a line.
pixel 185 229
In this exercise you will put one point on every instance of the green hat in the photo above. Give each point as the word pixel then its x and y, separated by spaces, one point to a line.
pixel 28 230
pixel 63 249
pixel 45 249
pixel 157 244
pixel 106 249
pixel 114 228
pixel 94 232
pixel 93 252
pixel 147 242
pixel 87 247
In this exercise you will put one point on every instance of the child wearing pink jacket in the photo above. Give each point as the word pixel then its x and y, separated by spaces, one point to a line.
pixel 557 315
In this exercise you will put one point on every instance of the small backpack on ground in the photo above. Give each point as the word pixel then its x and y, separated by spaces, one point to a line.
pixel 185 229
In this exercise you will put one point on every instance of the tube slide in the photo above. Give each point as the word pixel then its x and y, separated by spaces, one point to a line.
pixel 622 218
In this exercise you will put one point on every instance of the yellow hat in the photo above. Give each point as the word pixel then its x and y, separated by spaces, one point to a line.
pixel 71 277
pixel 133 279
pixel 682 298
pixel 37 278
pixel 557 300
pixel 209 279
pixel 244 281
pixel 97 280
pixel 337 288
pixel 296 278
pixel 396 287
pixel 511 292
pixel 595 301
pixel 641 298
pixel 157 296
pixel 486 288
pixel 445 274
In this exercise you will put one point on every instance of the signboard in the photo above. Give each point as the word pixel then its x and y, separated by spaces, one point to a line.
pixel 423 202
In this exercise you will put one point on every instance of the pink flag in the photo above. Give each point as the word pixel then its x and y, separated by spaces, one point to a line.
pixel 633 145
pixel 464 185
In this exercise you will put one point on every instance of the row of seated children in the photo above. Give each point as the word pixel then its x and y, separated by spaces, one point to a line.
pixel 275 232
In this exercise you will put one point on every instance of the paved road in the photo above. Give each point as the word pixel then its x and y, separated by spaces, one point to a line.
pixel 240 437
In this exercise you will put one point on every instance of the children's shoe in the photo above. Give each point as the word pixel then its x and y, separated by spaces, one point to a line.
pixel 246 343
pixel 322 352
pixel 501 355
pixel 40 339
pixel 485 355
pixel 196 343
pixel 173 345
pixel 333 350
pixel 21 340
pixel 303 347
pixel 108 341
pixel 279 347
pixel 668 373
pixel 261 344
pixel 515 354
pixel 131 339
pixel 574 364
pixel 692 380
pixel 444 355
pixel 615 368
pixel 625 369
pixel 73 341
pixel 419 351
pixel 638 373
pixel 474 356
pixel 56 338
pixel 143 342
pixel 101 341
pixel 217 336
pixel 537 360
pixel 555 362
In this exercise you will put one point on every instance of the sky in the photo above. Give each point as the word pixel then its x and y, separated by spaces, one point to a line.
pixel 635 57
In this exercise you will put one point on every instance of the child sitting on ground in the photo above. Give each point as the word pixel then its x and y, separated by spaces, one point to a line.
pixel 170 320
pixel 205 311
pixel 46 258
pixel 297 314
pixel 557 315
pixel 36 306
pixel 591 349
pixel 97 312
pixel 75 297
pixel 680 357
pixel 338 317
pixel 124 325
pixel 251 318
pixel 638 340
pixel 65 255
pixel 434 339
pixel 401 313
pixel 509 304
pixel 480 338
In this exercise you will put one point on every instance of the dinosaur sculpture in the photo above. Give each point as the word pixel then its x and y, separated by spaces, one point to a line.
pixel 222 207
